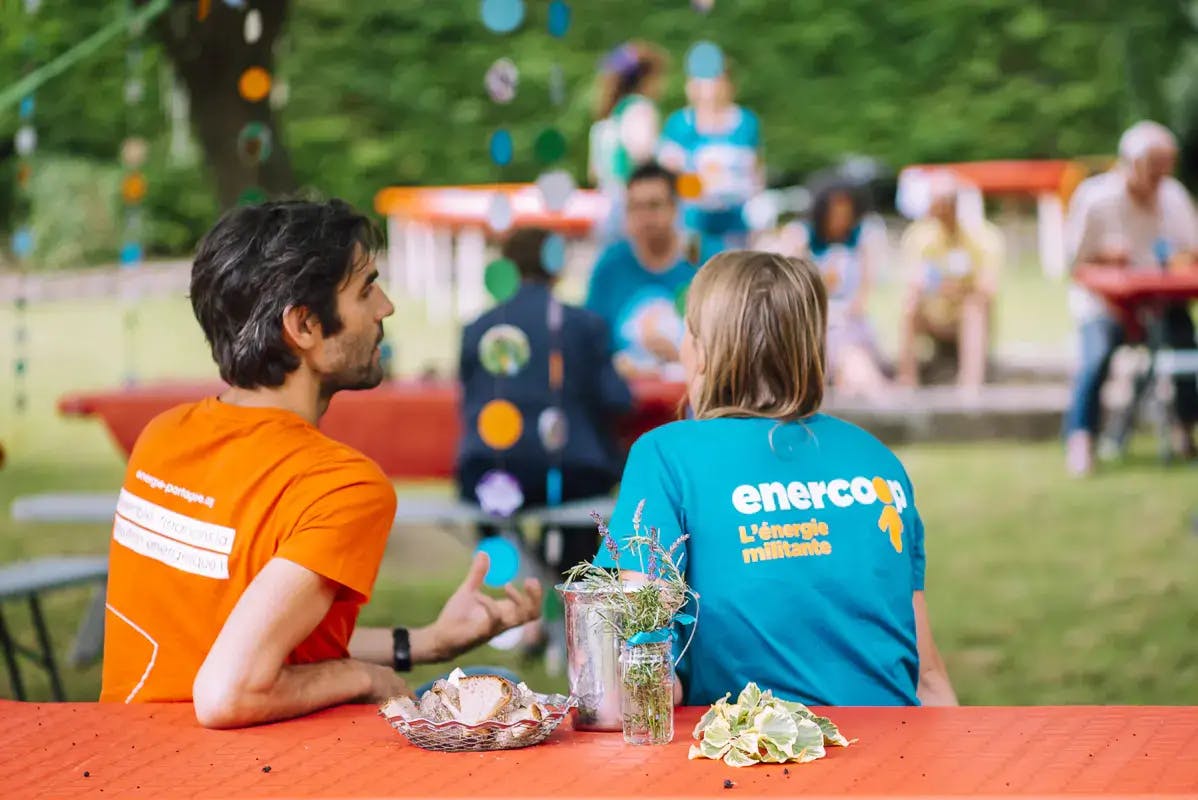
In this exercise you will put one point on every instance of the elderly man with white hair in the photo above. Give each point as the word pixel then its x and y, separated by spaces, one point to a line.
pixel 952 268
pixel 1136 216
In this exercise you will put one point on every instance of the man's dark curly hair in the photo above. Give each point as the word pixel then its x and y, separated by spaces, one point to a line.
pixel 259 260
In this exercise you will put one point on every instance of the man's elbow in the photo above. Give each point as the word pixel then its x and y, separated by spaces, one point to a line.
pixel 222 702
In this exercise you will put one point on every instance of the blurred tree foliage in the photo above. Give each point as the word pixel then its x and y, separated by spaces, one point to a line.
pixel 384 92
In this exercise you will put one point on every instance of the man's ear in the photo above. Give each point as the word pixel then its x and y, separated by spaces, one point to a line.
pixel 301 328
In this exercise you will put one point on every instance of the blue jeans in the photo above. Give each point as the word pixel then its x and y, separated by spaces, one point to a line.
pixel 1099 340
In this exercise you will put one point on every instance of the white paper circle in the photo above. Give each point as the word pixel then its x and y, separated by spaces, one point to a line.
pixel 501 81
pixel 555 187
pixel 253 26
pixel 134 90
pixel 557 85
pixel 26 140
pixel 499 213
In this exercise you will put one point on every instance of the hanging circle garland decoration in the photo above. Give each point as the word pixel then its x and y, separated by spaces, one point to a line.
pixel 555 187
pixel 501 147
pixel 500 424
pixel 499 213
pixel 501 279
pixel 252 30
pixel 501 81
pixel 552 428
pixel 504 350
pixel 498 493
pixel 254 84
pixel 505 560
pixel 549 146
pixel 502 16
pixel 559 18
pixel 553 253
pixel 254 143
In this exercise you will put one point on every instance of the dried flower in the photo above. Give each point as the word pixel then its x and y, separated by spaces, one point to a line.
pixel 614 549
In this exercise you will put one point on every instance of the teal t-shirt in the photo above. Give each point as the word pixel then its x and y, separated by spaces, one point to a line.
pixel 805 547
pixel 626 295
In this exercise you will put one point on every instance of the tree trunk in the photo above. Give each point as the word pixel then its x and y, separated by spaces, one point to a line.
pixel 210 56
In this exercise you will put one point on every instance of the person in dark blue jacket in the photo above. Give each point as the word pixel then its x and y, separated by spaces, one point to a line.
pixel 539 398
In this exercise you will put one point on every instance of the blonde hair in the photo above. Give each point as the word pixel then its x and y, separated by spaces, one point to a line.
pixel 760 323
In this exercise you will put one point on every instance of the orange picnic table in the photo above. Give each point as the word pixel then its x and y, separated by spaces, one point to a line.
pixel 410 428
pixel 113 751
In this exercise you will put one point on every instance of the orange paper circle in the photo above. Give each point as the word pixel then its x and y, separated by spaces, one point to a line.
pixel 24 173
pixel 133 188
pixel 500 424
pixel 689 186
pixel 254 84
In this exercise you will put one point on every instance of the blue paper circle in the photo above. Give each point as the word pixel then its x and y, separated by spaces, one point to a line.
pixel 22 243
pixel 705 60
pixel 131 253
pixel 27 106
pixel 235 3
pixel 559 18
pixel 502 16
pixel 501 147
pixel 505 560
pixel 553 254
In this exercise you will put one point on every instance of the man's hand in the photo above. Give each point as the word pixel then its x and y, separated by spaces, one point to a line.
pixel 470 617
pixel 385 683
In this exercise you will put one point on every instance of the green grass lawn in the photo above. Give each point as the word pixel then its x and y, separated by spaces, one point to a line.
pixel 1042 590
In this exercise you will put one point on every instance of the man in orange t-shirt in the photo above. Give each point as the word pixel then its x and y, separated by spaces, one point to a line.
pixel 245 541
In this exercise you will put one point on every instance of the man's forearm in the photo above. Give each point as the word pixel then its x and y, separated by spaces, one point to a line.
pixel 295 691
pixel 376 646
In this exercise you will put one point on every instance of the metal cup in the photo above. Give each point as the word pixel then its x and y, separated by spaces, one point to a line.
pixel 592 658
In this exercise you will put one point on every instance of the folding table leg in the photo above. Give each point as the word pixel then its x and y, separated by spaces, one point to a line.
pixel 10 660
pixel 43 640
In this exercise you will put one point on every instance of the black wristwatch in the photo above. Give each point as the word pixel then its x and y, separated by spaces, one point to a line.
pixel 401 649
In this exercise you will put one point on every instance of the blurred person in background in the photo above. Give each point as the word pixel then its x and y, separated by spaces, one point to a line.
pixel 834 239
pixel 637 282
pixel 1135 216
pixel 716 141
pixel 506 354
pixel 628 125
pixel 952 275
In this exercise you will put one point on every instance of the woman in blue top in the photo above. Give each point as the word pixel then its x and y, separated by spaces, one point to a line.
pixel 717 141
pixel 804 543
pixel 835 242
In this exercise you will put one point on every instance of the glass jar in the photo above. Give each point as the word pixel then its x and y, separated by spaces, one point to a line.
pixel 647 692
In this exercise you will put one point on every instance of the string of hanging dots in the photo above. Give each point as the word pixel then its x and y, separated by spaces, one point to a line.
pixel 133 154
pixel 22 240
pixel 504 350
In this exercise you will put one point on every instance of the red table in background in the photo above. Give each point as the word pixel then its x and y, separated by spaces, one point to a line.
pixel 1127 291
pixel 349 752
pixel 411 429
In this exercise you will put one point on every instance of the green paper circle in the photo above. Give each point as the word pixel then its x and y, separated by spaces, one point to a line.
pixel 251 197
pixel 502 279
pixel 680 301
pixel 549 146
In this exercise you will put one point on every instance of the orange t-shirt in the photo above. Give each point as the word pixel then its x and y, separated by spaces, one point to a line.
pixel 212 493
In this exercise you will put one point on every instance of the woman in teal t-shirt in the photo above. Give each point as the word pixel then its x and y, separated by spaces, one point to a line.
pixel 804 542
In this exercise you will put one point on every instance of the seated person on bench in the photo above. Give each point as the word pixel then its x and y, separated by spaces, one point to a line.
pixel 1136 216
pixel 952 274
pixel 553 363
pixel 246 541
